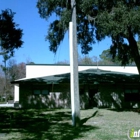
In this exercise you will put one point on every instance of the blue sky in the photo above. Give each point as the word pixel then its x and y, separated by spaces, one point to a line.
pixel 35 48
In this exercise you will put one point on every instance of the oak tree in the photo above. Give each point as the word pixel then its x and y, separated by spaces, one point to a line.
pixel 96 19
pixel 10 34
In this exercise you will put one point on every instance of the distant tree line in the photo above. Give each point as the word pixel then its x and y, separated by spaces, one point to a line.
pixel 9 72
pixel 105 58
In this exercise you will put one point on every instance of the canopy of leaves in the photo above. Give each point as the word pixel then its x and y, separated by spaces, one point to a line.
pixel 10 35
pixel 96 19
pixel 107 56
pixel 58 28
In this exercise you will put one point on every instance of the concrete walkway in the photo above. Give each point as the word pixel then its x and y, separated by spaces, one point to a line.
pixel 6 105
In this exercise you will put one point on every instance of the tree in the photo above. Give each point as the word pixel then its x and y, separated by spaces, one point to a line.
pixel 96 19
pixel 11 71
pixel 2 83
pixel 16 71
pixel 87 60
pixel 105 55
pixel 5 70
pixel 106 58
pixel 64 62
pixel 10 35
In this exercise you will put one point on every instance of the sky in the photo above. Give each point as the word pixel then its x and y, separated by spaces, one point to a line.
pixel 35 48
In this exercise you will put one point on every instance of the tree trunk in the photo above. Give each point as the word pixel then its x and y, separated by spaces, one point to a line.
pixel 134 49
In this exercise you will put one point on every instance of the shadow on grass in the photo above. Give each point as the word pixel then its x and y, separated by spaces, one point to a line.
pixel 42 124
pixel 86 119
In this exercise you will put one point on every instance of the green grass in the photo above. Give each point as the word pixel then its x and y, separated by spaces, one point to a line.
pixel 56 124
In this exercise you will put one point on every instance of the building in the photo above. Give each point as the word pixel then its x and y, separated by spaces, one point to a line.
pixel 102 86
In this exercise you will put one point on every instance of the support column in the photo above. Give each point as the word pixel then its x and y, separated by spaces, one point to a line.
pixel 16 95
pixel 75 101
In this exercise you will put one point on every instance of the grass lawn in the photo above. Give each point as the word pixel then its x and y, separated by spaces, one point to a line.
pixel 56 124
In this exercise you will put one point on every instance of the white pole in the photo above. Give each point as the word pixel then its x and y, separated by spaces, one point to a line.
pixel 75 103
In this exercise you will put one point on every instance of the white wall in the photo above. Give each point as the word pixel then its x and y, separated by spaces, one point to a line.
pixel 46 70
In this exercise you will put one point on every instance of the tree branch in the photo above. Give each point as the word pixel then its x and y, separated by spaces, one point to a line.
pixel 91 18
pixel 2 53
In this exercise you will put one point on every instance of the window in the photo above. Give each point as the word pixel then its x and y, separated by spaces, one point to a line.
pixel 41 91
pixel 37 92
pixel 45 91
pixel 132 95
